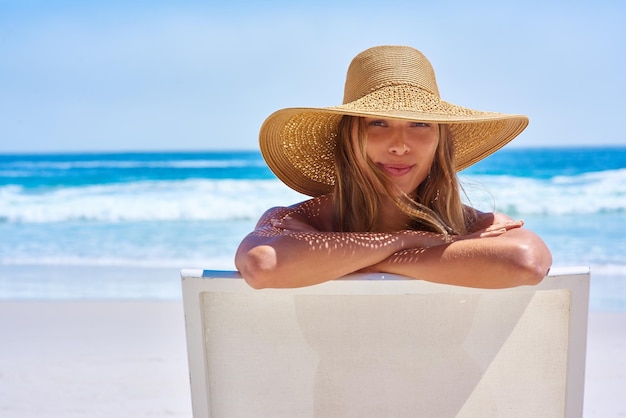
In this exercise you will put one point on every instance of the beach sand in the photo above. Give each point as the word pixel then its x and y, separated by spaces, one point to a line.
pixel 128 359
pixel 93 359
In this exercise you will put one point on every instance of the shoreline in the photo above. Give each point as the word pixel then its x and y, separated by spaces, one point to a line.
pixel 106 282
pixel 89 282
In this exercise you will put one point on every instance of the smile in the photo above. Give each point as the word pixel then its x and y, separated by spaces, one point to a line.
pixel 396 169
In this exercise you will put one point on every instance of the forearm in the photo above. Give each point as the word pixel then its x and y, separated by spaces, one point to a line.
pixel 515 258
pixel 295 259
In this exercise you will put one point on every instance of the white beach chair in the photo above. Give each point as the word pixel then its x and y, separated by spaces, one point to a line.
pixel 383 346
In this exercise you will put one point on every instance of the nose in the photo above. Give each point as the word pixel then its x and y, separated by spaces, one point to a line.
pixel 398 144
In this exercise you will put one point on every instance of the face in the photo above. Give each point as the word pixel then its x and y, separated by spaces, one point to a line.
pixel 403 150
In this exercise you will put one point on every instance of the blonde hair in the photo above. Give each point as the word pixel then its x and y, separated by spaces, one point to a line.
pixel 436 205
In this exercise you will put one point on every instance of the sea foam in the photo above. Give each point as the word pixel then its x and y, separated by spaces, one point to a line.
pixel 145 201
pixel 231 199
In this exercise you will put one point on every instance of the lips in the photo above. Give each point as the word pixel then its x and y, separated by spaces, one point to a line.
pixel 396 169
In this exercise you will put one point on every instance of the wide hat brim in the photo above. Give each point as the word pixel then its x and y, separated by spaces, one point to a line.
pixel 298 143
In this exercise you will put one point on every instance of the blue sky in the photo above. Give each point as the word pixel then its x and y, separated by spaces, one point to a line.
pixel 192 75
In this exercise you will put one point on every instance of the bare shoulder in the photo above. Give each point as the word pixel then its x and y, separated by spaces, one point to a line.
pixel 276 212
pixel 316 212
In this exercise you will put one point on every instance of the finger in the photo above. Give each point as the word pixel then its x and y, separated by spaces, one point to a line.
pixel 493 233
pixel 276 223
pixel 514 224
pixel 506 225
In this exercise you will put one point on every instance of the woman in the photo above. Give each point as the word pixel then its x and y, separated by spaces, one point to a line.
pixel 381 169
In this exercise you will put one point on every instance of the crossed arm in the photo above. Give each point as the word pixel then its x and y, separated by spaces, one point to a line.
pixel 285 250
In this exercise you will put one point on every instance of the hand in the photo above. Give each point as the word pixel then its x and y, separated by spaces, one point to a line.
pixel 493 230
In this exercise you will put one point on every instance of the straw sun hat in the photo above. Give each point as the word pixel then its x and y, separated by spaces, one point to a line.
pixel 394 82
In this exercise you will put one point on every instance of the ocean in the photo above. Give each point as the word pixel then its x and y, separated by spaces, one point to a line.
pixel 175 210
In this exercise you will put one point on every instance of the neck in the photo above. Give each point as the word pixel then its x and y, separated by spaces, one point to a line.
pixel 391 218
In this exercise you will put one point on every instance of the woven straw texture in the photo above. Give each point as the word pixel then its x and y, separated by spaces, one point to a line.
pixel 389 82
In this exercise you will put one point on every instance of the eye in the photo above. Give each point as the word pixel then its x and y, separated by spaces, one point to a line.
pixel 376 122
pixel 420 125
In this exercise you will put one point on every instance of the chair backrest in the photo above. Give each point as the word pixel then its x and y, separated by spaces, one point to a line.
pixel 379 345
